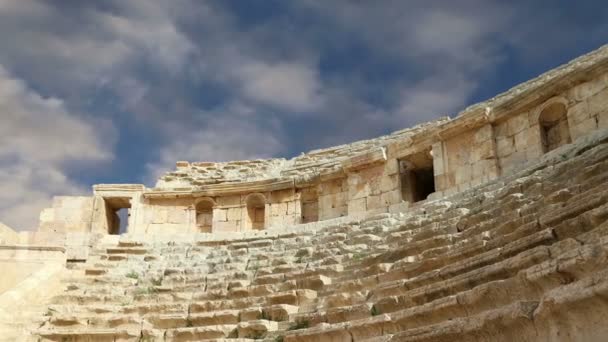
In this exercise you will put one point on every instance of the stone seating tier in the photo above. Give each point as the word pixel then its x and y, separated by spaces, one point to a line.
pixel 518 259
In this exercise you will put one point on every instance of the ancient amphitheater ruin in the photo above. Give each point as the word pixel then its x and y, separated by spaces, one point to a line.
pixel 489 226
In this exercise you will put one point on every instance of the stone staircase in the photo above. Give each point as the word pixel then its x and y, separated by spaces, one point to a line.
pixel 524 258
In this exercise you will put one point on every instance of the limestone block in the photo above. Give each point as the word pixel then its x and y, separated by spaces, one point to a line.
pixel 310 209
pixel 331 187
pixel 251 314
pixel 602 119
pixel 159 216
pixel 391 167
pixel 233 214
pixel 578 113
pixel 177 215
pixel 505 146
pixel 316 282
pixel 215 318
pixel 374 202
pixel 280 312
pixel 256 329
pixel 227 226
pixel 463 174
pixel 358 188
pixel 278 209
pixel 325 202
pixel 220 214
pixel 517 123
pixel 583 128
pixel 587 89
pixel 282 195
pixel 275 221
pixel 482 134
pixel 292 207
pixel 332 212
pixel 482 151
pixel 598 102
pixel 357 205
pixel 388 183
pixel 440 182
pixel 501 129
pixel 290 220
pixel 533 138
pixel 514 160
pixel 534 152
pixel 480 168
pixel 234 200
pixel 365 160
pixel 521 140
pixel 309 194
pixel 391 197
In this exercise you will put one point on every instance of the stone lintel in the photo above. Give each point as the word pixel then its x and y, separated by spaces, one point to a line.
pixel 117 190
pixel 33 248
pixel 308 181
pixel 224 189
pixel 377 156
pixel 331 175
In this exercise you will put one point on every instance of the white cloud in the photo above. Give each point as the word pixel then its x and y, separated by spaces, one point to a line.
pixel 38 138
pixel 292 86
pixel 156 36
pixel 84 46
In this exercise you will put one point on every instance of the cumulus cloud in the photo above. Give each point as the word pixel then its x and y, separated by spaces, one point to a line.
pixel 39 137
pixel 86 46
pixel 291 86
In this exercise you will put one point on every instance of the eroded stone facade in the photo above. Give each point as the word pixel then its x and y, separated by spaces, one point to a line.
pixel 387 174
pixel 491 226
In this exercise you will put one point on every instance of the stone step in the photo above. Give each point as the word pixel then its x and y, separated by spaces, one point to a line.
pixel 89 334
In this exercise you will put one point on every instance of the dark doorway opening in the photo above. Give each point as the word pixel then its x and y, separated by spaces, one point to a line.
pixel 118 211
pixel 417 176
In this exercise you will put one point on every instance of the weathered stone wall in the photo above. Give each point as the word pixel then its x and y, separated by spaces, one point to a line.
pixel 68 214
pixel 309 200
pixel 166 215
pixel 465 160
pixel 374 188
pixel 285 208
pixel 517 141
pixel 333 198
pixel 588 106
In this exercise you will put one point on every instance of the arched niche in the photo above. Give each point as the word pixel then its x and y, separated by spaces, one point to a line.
pixel 256 211
pixel 553 124
pixel 204 214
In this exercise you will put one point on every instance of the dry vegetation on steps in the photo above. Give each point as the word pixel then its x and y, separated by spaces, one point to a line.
pixel 523 258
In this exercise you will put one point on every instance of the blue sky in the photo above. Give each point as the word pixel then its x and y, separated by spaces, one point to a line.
pixel 117 91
